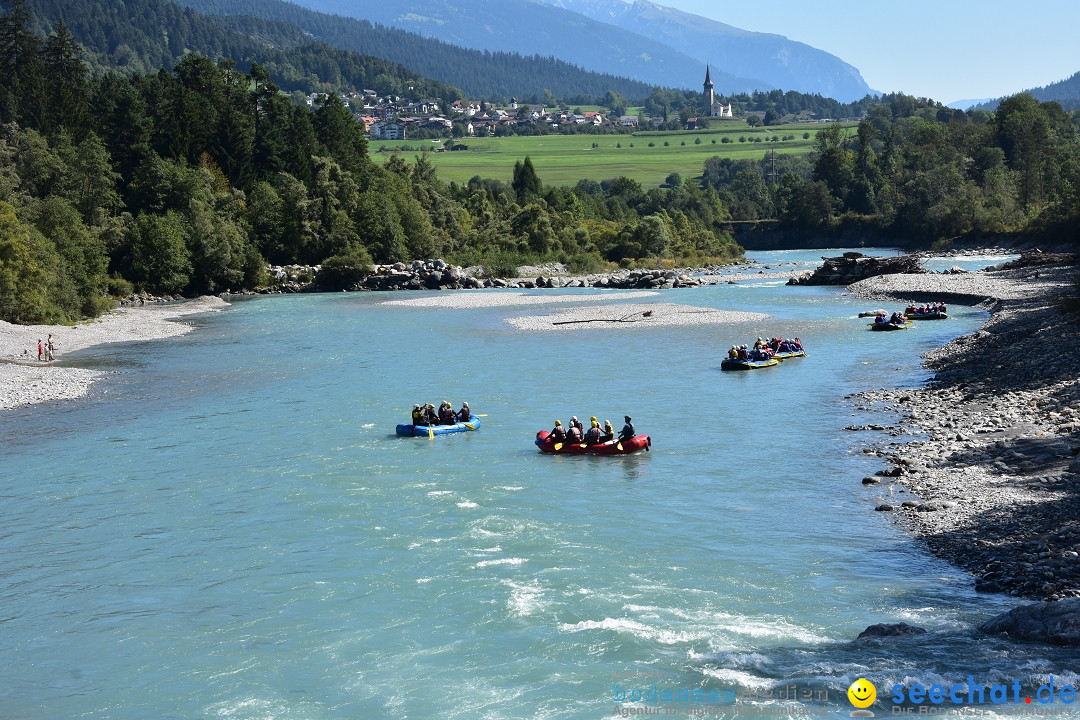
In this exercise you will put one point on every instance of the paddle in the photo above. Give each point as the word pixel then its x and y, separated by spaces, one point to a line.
pixel 619 446
pixel 558 446
pixel 471 427
pixel 480 414
pixel 430 433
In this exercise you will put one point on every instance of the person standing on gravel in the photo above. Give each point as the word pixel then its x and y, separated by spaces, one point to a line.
pixel 40 350
pixel 50 347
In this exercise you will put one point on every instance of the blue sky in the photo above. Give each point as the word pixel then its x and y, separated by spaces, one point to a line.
pixel 947 50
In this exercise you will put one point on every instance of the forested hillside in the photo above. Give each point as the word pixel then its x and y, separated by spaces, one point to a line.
pixel 144 35
pixel 531 27
pixel 494 75
pixel 307 51
pixel 918 170
pixel 1064 92
pixel 190 181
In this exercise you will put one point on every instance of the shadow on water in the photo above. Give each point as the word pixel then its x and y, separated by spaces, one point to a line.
pixel 98 361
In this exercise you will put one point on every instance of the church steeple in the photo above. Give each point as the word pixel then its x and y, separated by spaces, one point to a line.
pixel 707 91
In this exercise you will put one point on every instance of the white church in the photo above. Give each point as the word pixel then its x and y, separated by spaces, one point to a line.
pixel 713 108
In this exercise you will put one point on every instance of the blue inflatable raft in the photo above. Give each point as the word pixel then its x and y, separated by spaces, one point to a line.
pixel 733 364
pixel 426 430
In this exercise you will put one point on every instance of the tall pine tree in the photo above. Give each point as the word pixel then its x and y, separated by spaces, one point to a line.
pixel 21 72
pixel 65 84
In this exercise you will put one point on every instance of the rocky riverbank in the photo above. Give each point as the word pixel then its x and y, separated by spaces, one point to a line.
pixel 440 275
pixel 983 461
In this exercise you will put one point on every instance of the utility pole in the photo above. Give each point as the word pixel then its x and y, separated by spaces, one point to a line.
pixel 772 173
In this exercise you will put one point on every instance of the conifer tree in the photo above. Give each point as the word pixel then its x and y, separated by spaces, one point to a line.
pixel 526 183
pixel 65 83
pixel 21 73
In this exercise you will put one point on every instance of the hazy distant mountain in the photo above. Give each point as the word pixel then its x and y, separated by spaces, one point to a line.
pixel 1064 92
pixel 778 61
pixel 966 104
pixel 530 27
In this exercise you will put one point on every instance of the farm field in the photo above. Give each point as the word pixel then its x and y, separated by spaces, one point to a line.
pixel 566 159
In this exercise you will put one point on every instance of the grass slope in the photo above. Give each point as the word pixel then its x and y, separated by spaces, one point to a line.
pixel 565 159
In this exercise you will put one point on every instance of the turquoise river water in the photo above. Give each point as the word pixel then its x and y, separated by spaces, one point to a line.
pixel 229 528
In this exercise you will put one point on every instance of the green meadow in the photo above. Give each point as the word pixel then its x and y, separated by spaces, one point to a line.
pixel 648 157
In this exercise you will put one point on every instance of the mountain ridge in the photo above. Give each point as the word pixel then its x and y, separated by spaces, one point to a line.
pixel 644 41
pixel 1064 92
pixel 782 62
pixel 145 35
pixel 585 42
pixel 477 73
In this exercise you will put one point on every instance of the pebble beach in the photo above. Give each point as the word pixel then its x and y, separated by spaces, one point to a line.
pixel 982 462
pixel 24 380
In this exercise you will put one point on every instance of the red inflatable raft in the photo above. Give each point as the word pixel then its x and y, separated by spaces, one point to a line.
pixel 611 447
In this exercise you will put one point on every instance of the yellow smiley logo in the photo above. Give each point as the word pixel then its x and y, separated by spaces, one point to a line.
pixel 862 693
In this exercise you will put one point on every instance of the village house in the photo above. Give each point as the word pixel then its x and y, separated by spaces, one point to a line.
pixel 385 130
pixel 435 122
pixel 391 119
pixel 424 107
pixel 467 108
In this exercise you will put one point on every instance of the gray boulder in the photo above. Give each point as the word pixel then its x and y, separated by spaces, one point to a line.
pixel 1074 466
pixel 891 630
pixel 1055 623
